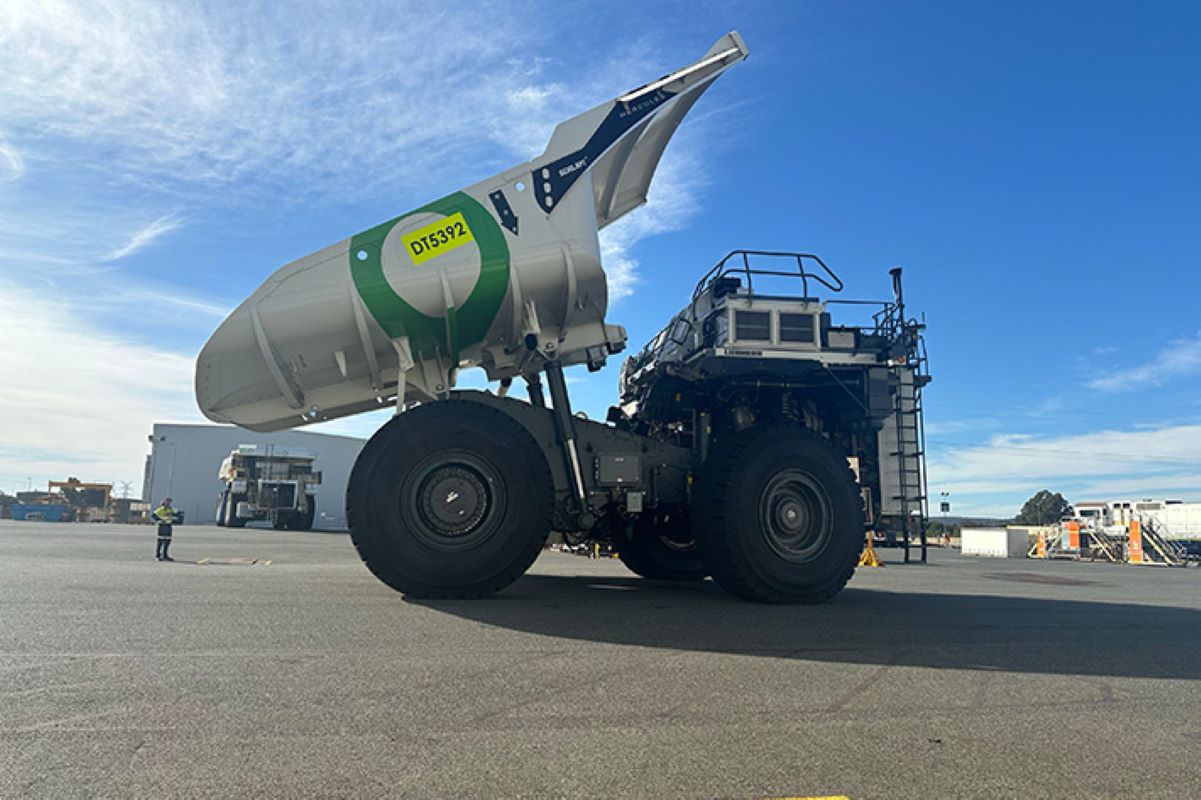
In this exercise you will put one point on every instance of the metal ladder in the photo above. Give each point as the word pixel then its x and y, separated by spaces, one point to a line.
pixel 1154 534
pixel 911 453
pixel 1101 544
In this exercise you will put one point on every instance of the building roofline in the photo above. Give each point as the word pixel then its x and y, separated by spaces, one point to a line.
pixel 208 426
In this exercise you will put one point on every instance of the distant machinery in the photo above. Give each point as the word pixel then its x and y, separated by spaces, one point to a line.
pixel 1164 532
pixel 89 502
pixel 74 501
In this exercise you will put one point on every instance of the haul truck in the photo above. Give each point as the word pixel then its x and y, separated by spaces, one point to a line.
pixel 265 482
pixel 755 441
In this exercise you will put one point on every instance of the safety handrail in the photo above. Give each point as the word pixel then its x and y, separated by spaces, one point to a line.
pixel 723 268
pixel 887 320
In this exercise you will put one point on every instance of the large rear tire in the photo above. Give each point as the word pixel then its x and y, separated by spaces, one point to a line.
pixel 779 517
pixel 232 520
pixel 451 499
pixel 660 547
pixel 303 520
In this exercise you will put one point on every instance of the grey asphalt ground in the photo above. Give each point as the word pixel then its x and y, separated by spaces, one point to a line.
pixel 124 677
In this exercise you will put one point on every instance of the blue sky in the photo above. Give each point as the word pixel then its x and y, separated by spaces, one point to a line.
pixel 1033 166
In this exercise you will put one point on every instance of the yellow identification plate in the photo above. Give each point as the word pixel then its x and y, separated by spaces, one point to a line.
pixel 437 238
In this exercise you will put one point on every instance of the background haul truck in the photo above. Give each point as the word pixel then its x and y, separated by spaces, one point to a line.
pixel 756 439
pixel 265 482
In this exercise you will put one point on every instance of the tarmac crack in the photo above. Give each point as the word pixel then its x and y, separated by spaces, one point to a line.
pixel 867 682
pixel 559 691
pixel 987 679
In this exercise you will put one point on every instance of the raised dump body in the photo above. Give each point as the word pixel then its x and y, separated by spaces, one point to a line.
pixel 498 275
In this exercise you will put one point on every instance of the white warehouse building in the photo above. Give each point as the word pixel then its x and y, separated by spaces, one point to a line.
pixel 184 460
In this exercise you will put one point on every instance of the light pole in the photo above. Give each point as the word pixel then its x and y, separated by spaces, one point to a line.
pixel 945 506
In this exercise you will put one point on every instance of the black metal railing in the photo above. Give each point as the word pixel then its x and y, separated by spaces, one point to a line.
pixel 738 262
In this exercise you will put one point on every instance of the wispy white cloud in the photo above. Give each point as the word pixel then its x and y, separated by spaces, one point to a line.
pixel 12 166
pixel 78 399
pixel 1155 460
pixel 181 301
pixel 1179 358
pixel 1159 486
pixel 532 109
pixel 943 427
pixel 63 234
pixel 322 101
pixel 143 236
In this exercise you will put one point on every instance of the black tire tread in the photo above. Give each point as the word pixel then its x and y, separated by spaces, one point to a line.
pixel 304 521
pixel 377 563
pixel 645 565
pixel 714 533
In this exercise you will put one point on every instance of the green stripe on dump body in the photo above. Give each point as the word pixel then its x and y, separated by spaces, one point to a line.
pixel 462 327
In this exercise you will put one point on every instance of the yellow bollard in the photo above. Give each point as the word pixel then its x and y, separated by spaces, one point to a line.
pixel 1042 543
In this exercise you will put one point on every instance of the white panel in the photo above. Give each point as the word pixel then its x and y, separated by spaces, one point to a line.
pixel 993 542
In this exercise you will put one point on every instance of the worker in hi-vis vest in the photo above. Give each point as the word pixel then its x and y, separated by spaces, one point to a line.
pixel 164 515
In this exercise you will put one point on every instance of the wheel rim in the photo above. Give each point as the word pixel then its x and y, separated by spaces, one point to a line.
pixel 794 515
pixel 455 501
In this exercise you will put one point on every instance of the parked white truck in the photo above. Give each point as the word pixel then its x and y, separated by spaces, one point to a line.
pixel 266 482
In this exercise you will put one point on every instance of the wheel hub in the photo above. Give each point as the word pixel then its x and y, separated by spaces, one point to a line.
pixel 794 515
pixel 453 500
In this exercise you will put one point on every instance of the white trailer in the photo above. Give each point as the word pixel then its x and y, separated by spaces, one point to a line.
pixel 1178 520
pixel 1174 519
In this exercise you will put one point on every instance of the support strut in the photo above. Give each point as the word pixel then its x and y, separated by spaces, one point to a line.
pixel 533 385
pixel 565 432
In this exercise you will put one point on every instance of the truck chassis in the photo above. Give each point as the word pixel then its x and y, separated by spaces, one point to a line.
pixel 756 442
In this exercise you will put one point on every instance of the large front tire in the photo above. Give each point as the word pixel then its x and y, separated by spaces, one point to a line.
pixel 222 506
pixel 779 517
pixel 451 499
